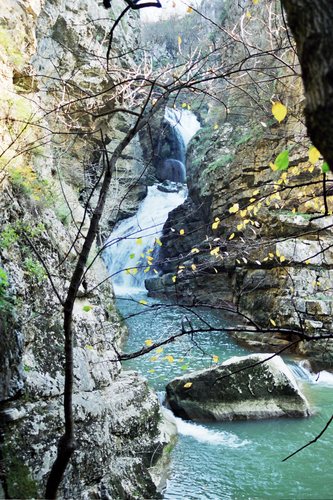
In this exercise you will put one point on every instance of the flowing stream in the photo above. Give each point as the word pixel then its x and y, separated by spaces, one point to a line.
pixel 217 461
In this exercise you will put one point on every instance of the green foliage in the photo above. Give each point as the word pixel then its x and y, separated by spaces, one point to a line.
pixel 4 283
pixel 8 237
pixel 87 308
pixel 18 478
pixel 62 212
pixel 26 181
pixel 282 160
pixel 34 269
pixel 221 162
pixel 325 168
pixel 11 233
pixel 244 139
pixel 6 301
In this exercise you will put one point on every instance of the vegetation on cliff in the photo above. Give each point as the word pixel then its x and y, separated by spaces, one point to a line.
pixel 259 214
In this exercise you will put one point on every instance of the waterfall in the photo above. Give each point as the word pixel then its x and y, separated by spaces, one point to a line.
pixel 302 371
pixel 184 122
pixel 132 248
pixel 133 245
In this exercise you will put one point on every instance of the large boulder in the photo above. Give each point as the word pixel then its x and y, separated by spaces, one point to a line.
pixel 246 387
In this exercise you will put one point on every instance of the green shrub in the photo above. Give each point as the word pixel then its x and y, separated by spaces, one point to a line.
pixel 8 236
pixel 26 180
pixel 34 269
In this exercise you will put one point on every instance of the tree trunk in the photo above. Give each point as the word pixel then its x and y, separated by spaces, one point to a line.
pixel 311 22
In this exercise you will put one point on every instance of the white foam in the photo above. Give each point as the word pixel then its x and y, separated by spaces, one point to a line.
pixel 324 378
pixel 204 435
pixel 302 372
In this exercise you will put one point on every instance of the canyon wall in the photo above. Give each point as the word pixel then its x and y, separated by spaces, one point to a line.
pixel 256 233
pixel 55 110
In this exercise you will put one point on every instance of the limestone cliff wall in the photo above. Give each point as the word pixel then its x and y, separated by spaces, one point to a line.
pixel 253 242
pixel 53 84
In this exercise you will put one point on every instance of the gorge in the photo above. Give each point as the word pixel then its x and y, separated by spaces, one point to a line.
pixel 213 240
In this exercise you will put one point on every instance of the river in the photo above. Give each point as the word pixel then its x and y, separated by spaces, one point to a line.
pixel 228 460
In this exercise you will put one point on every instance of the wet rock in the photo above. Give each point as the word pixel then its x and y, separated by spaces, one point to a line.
pixel 241 388
pixel 170 187
pixel 173 170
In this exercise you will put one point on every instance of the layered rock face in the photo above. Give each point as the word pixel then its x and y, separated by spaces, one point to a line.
pixel 257 239
pixel 247 387
pixel 52 64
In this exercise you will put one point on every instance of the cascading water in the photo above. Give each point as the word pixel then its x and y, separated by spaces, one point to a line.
pixel 228 460
pixel 133 246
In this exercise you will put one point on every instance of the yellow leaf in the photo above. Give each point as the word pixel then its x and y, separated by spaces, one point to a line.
pixel 215 251
pixel 282 258
pixel 174 279
pixel 179 39
pixel 279 111
pixel 231 237
pixel 138 241
pixel 169 358
pixel 314 155
pixel 151 371
pixel 234 209
pixel 215 359
pixel 143 302
pixel 216 223
pixel 182 232
pixel 271 255
pixel 154 358
pixel 193 266
pixel 239 227
pixel 255 192
pixel 184 105
pixel 158 241
pixel 273 322
pixel 278 253
pixel 187 385
pixel 255 2
pixel 147 269
pixel 180 360
pixel 215 126
pixel 134 270
pixel 159 350
pixel 252 200
pixel 248 14
pixel 243 213
pixel 148 342
pixel 156 272
pixel 195 250
pixel 307 262
pixel 189 10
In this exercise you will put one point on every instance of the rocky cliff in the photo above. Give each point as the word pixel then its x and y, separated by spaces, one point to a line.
pixel 258 220
pixel 56 105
